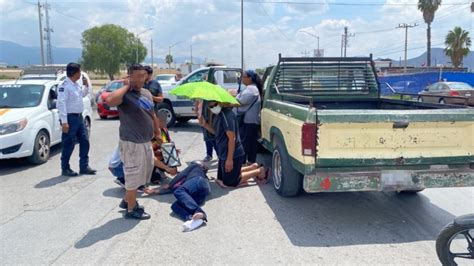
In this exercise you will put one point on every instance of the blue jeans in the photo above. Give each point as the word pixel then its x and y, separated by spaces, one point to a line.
pixel 189 196
pixel 118 172
pixel 77 131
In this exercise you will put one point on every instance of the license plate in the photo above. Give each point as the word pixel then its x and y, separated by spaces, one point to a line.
pixel 113 108
pixel 396 178
pixel 468 94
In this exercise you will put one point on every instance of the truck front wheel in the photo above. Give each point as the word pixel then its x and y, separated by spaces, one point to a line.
pixel 168 111
pixel 286 180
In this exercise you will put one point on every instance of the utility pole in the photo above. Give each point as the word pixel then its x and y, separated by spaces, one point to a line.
pixel 406 26
pixel 40 17
pixel 345 41
pixel 151 51
pixel 191 47
pixel 242 34
pixel 305 53
pixel 48 30
pixel 342 44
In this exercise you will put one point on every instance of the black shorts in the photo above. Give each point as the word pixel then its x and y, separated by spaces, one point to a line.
pixel 231 179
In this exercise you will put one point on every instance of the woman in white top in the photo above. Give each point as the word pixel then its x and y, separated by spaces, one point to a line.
pixel 249 111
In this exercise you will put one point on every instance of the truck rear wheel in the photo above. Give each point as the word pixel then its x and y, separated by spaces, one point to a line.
pixel 286 180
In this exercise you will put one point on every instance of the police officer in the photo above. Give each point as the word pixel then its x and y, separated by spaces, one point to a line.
pixel 70 106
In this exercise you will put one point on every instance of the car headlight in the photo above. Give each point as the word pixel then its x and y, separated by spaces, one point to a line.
pixel 13 127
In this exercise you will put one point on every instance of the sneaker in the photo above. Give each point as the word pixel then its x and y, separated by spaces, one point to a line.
pixel 124 205
pixel 207 158
pixel 191 225
pixel 141 189
pixel 137 213
pixel 119 182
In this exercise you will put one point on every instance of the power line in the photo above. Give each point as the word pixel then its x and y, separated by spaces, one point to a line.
pixel 273 22
pixel 410 49
pixel 345 3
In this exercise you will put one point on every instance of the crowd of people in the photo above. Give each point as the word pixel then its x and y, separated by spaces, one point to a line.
pixel 139 162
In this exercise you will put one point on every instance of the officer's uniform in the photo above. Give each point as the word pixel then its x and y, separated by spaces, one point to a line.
pixel 70 107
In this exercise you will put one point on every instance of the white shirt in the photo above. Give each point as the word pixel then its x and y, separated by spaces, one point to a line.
pixel 70 96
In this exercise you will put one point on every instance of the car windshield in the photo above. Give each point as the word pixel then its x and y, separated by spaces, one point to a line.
pixel 169 78
pixel 460 86
pixel 20 96
pixel 114 86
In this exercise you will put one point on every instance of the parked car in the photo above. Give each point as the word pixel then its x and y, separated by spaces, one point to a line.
pixel 406 86
pixel 442 92
pixel 60 76
pixel 166 79
pixel 29 120
pixel 39 77
pixel 103 109
pixel 181 109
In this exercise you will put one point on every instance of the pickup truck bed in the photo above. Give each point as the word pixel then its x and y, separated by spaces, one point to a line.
pixel 345 137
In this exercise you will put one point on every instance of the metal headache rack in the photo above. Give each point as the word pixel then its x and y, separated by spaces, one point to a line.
pixel 325 74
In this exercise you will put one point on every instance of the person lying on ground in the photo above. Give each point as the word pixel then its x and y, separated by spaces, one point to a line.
pixel 190 188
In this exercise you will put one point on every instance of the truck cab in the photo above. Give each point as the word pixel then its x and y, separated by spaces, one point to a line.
pixel 180 109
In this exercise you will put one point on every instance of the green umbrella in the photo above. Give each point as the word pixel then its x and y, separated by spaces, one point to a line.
pixel 204 90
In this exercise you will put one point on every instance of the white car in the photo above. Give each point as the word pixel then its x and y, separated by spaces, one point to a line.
pixel 181 109
pixel 29 120
pixel 166 79
pixel 60 76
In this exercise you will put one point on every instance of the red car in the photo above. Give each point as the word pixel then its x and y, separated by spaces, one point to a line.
pixel 103 109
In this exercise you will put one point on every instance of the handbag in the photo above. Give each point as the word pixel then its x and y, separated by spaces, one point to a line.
pixel 170 154
pixel 241 115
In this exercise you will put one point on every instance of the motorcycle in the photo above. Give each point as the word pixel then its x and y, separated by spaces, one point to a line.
pixel 455 243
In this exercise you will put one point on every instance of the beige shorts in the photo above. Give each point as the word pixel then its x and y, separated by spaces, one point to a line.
pixel 137 161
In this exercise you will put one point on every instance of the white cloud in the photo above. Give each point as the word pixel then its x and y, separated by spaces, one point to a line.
pixel 214 26
pixel 319 7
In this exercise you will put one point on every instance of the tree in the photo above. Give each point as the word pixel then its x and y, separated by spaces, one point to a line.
pixel 169 60
pixel 428 7
pixel 106 47
pixel 457 45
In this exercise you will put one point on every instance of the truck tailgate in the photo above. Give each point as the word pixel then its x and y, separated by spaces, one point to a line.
pixel 393 137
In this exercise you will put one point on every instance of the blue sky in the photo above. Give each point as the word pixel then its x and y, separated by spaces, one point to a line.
pixel 213 26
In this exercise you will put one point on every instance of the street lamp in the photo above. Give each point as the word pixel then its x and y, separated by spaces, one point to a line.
pixel 311 34
pixel 136 51
pixel 169 49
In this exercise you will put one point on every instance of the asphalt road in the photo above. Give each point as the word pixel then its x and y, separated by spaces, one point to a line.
pixel 49 219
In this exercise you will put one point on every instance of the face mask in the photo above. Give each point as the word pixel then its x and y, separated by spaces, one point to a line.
pixel 216 109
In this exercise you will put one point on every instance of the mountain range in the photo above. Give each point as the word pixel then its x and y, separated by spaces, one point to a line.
pixel 15 54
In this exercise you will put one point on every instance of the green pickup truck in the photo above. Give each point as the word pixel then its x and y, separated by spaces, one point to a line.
pixel 330 131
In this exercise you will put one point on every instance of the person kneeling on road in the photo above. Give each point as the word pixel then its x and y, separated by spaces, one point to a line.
pixel 190 188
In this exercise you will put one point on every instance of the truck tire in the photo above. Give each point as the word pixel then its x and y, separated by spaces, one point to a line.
pixel 286 180
pixel 443 242
pixel 168 111
pixel 41 149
